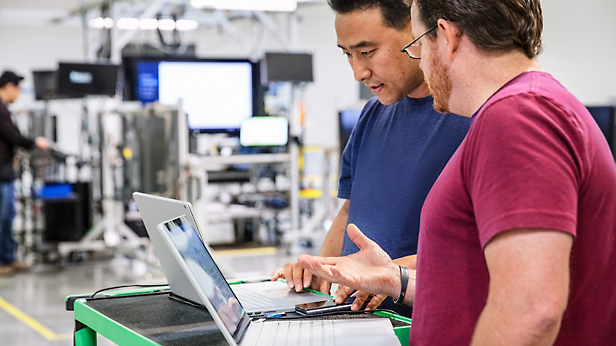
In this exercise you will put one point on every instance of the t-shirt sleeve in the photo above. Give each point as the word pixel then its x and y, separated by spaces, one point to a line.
pixel 525 170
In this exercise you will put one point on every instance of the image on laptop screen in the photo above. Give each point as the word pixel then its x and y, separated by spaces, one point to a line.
pixel 205 271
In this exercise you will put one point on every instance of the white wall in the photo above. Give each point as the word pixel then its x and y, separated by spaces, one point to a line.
pixel 579 50
pixel 579 40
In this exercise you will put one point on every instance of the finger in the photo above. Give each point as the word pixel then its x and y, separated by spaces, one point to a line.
pixel 277 274
pixel 326 287
pixel 375 301
pixel 343 279
pixel 307 279
pixel 342 293
pixel 288 274
pixel 298 276
pixel 359 238
pixel 323 260
pixel 360 298
pixel 317 269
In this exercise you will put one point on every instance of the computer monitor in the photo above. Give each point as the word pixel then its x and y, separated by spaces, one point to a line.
pixel 217 94
pixel 347 120
pixel 45 84
pixel 287 67
pixel 76 80
pixel 604 116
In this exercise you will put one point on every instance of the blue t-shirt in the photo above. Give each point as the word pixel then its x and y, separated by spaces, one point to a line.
pixel 394 155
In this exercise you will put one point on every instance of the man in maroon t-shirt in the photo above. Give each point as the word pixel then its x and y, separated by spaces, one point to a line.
pixel 518 235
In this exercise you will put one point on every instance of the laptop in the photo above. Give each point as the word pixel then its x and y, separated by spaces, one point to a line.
pixel 257 298
pixel 233 320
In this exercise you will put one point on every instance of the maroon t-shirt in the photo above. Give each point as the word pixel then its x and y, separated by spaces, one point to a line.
pixel 533 158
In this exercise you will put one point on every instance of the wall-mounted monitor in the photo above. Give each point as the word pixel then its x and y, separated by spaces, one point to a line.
pixel 604 116
pixel 347 120
pixel 286 67
pixel 217 94
pixel 77 80
pixel 45 85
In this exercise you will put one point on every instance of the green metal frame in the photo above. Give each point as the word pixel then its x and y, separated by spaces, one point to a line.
pixel 89 322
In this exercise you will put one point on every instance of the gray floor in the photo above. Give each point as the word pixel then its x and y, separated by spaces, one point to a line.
pixel 36 298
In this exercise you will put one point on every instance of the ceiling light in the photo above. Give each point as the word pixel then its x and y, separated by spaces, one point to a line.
pixel 148 24
pixel 166 24
pixel 247 5
pixel 108 23
pixel 128 23
pixel 186 24
pixel 97 23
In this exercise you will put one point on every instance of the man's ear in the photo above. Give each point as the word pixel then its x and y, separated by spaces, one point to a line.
pixel 452 35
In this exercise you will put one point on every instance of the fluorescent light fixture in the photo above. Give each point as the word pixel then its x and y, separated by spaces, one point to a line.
pixel 148 24
pixel 108 23
pixel 97 23
pixel 186 24
pixel 247 5
pixel 128 23
pixel 166 24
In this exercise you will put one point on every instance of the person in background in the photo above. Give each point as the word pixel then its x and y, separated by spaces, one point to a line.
pixel 10 138
pixel 518 234
pixel 396 151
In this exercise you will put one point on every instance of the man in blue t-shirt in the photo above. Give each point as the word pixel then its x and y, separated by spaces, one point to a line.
pixel 396 150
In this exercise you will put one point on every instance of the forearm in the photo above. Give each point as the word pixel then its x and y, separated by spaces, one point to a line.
pixel 332 245
pixel 408 261
pixel 529 285
pixel 498 325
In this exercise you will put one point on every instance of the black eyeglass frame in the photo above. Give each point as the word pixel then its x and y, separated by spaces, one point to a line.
pixel 404 50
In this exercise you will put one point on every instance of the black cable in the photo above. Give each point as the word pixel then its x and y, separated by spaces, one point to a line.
pixel 124 286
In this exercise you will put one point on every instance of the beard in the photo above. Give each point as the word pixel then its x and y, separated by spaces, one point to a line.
pixel 439 84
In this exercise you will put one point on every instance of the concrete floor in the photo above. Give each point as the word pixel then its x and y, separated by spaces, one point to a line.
pixel 32 310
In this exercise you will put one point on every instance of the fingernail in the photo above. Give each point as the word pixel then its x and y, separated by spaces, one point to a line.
pixel 306 283
pixel 298 287
pixel 355 306
pixel 290 284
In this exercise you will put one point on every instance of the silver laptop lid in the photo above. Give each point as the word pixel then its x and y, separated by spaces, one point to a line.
pixel 155 210
pixel 197 263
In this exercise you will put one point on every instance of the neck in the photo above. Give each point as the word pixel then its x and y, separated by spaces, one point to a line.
pixel 4 97
pixel 420 91
pixel 482 74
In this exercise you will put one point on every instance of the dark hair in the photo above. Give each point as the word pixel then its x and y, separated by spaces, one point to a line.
pixel 492 25
pixel 396 13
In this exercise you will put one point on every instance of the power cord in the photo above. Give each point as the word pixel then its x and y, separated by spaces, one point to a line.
pixel 124 286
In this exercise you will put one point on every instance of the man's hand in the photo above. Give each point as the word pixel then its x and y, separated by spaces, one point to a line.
pixel 342 293
pixel 297 278
pixel 370 269
pixel 42 143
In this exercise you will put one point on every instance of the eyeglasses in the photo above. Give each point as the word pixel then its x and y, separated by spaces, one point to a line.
pixel 413 49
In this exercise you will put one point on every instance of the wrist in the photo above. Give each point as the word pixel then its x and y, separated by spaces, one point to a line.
pixel 395 284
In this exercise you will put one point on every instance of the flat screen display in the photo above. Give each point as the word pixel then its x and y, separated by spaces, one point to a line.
pixel 200 263
pixel 79 80
pixel 604 116
pixel 217 96
pixel 45 84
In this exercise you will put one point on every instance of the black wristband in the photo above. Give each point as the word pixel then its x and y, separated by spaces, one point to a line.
pixel 404 281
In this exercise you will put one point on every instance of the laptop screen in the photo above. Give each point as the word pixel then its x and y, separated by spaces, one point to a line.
pixel 205 271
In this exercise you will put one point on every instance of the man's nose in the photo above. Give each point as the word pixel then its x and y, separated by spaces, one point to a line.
pixel 361 71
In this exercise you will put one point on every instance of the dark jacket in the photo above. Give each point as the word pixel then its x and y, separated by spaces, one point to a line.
pixel 10 137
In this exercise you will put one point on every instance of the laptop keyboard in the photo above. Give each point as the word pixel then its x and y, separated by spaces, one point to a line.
pixel 290 333
pixel 254 301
